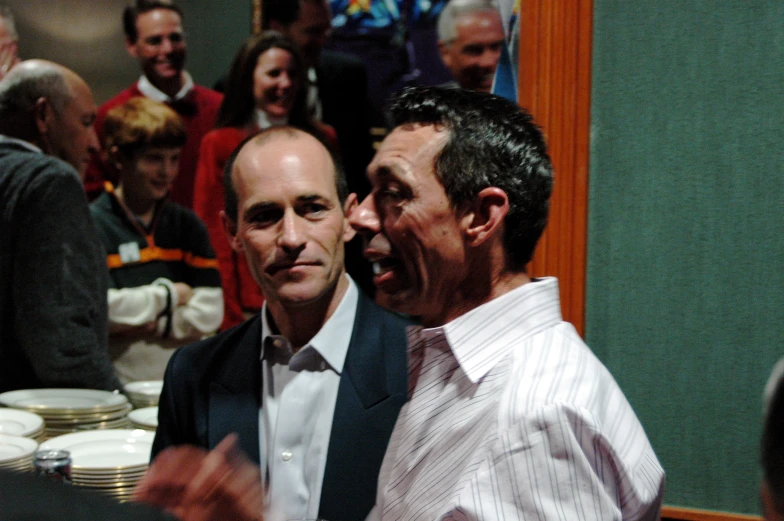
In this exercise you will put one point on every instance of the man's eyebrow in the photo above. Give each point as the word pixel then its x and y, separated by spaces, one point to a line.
pixel 258 207
pixel 309 198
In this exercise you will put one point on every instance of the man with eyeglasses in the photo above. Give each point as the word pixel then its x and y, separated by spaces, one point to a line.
pixel 154 36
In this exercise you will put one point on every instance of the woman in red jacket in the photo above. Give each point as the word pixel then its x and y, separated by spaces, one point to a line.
pixel 264 89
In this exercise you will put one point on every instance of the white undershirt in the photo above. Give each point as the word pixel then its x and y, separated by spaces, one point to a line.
pixel 146 87
pixel 295 419
pixel 313 101
pixel 263 120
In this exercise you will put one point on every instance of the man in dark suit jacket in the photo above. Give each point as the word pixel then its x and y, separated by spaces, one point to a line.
pixel 322 370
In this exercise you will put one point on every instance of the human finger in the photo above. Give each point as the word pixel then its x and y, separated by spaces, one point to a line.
pixel 166 481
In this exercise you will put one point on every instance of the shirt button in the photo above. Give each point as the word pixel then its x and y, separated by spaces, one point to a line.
pixel 286 455
pixel 277 342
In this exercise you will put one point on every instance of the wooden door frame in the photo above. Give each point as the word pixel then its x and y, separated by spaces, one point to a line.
pixel 554 84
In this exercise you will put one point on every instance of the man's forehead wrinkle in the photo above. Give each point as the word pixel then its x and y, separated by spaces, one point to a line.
pixel 389 168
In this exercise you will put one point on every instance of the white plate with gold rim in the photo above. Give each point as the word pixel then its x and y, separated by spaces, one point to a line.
pixel 20 423
pixel 105 449
pixel 63 401
pixel 147 389
pixel 14 448
pixel 147 417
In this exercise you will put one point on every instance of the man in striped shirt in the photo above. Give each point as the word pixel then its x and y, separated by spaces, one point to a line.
pixel 510 416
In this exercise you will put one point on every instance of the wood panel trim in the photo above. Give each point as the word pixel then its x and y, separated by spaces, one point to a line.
pixel 689 514
pixel 554 81
pixel 255 16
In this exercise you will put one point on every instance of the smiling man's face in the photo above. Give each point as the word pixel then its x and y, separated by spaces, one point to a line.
pixel 160 46
pixel 412 234
pixel 290 225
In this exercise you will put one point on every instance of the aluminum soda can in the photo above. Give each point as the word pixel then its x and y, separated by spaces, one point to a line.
pixel 53 464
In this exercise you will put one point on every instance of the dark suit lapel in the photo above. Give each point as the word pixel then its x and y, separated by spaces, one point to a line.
pixel 363 419
pixel 364 370
pixel 235 395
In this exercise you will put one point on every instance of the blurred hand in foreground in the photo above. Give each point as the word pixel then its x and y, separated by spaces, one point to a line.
pixel 196 485
pixel 8 55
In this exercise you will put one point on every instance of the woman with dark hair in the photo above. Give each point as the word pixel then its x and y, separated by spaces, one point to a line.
pixel 264 89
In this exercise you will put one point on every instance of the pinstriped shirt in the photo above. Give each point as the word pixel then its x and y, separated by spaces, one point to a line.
pixel 512 417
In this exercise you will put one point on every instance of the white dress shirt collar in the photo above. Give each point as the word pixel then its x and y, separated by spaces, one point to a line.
pixel 479 349
pixel 151 91
pixel 20 142
pixel 332 340
pixel 264 121
pixel 313 101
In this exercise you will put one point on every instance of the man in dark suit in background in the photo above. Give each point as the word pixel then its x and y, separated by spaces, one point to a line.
pixel 312 385
pixel 337 95
pixel 337 82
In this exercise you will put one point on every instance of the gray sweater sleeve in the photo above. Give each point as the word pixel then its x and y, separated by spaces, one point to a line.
pixel 60 285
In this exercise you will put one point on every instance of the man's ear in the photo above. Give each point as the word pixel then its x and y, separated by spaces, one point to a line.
pixel 443 51
pixel 348 207
pixel 131 48
pixel 230 229
pixel 484 217
pixel 44 116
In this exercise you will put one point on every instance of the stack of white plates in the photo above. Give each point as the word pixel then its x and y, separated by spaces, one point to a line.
pixel 16 453
pixel 144 394
pixel 146 418
pixel 21 423
pixel 71 410
pixel 110 461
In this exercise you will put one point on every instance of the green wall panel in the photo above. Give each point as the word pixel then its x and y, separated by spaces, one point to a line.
pixel 686 208
pixel 216 30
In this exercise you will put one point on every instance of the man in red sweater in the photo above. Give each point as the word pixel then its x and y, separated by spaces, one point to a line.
pixel 155 37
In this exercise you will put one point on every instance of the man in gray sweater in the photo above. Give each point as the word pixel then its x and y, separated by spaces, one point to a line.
pixel 53 330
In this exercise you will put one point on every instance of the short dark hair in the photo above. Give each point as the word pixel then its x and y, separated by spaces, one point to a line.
pixel 231 202
pixel 236 110
pixel 772 453
pixel 492 142
pixel 285 12
pixel 132 12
